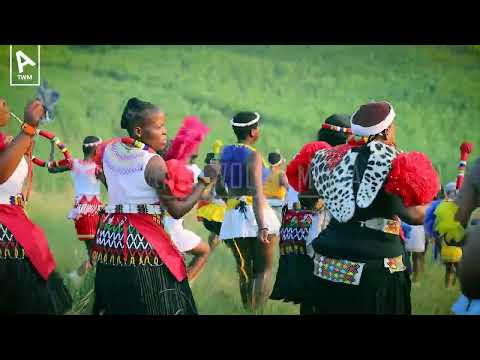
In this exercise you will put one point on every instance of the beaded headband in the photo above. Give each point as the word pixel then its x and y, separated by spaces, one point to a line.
pixel 96 143
pixel 337 128
pixel 254 121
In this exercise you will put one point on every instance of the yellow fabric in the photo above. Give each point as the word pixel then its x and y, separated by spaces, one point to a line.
pixel 445 223
pixel 451 254
pixel 242 261
pixel 212 212
pixel 272 187
pixel 233 203
pixel 217 147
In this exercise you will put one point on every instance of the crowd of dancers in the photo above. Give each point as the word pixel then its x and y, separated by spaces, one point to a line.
pixel 351 216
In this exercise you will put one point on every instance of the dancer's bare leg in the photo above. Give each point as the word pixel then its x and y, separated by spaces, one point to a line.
pixel 449 275
pixel 264 255
pixel 418 265
pixel 213 241
pixel 200 256
pixel 241 249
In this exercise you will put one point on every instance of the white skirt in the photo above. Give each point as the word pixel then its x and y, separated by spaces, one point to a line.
pixel 415 242
pixel 242 225
pixel 185 240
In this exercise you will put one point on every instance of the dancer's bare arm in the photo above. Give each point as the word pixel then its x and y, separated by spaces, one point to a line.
pixel 255 173
pixel 12 155
pixel 413 215
pixel 468 198
pixel 469 269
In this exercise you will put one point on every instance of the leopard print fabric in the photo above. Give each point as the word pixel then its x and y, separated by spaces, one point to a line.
pixel 333 179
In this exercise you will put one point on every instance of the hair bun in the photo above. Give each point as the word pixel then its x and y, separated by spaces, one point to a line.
pixel 134 103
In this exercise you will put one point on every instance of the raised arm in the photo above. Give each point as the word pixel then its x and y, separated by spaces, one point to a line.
pixel 13 153
pixel 58 169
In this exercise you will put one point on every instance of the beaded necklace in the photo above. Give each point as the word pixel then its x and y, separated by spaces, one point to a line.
pixel 138 144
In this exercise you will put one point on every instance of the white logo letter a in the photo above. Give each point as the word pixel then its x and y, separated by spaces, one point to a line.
pixel 26 61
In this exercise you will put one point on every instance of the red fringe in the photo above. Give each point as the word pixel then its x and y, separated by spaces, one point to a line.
pixel 297 169
pixel 180 178
pixel 187 140
pixel 413 178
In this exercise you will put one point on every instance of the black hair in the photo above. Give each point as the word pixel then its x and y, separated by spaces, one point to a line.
pixel 244 117
pixel 332 137
pixel 210 156
pixel 274 158
pixel 135 113
pixel 89 150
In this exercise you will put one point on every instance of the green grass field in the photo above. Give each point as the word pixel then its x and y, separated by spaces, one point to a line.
pixel 434 91
pixel 216 289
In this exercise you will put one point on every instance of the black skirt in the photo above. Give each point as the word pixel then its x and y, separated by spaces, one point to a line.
pixel 23 290
pixel 293 278
pixel 141 284
pixel 295 267
pixel 212 226
pixel 379 293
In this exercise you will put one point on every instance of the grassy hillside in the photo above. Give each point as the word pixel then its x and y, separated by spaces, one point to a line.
pixel 434 91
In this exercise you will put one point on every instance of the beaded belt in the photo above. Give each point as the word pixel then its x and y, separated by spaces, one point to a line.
pixel 350 272
pixel 134 209
pixel 386 225
pixel 12 200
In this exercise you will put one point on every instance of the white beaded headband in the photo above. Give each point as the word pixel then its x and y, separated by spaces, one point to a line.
pixel 254 121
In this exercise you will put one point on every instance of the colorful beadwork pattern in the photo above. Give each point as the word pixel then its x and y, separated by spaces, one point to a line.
pixel 294 232
pixel 123 160
pixel 17 200
pixel 9 247
pixel 60 145
pixel 338 270
pixel 109 246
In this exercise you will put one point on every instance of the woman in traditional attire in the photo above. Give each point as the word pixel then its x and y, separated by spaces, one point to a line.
pixel 139 268
pixel 359 259
pixel 29 282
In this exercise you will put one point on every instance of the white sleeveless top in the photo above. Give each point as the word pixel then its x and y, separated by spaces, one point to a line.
pixel 84 179
pixel 124 169
pixel 13 186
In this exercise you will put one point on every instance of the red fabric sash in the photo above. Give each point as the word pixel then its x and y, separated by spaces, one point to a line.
pixel 159 240
pixel 30 236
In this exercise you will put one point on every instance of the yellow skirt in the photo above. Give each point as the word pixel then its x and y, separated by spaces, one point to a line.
pixel 212 212
pixel 451 254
